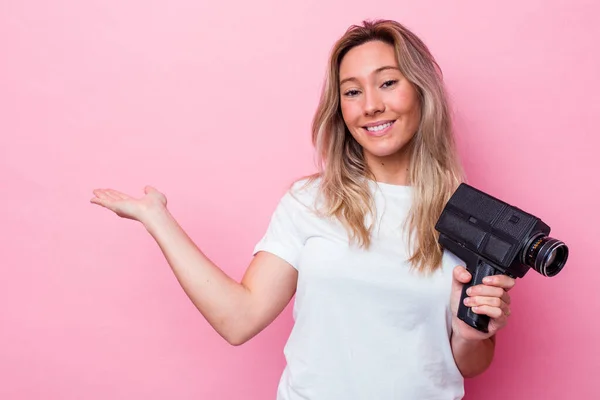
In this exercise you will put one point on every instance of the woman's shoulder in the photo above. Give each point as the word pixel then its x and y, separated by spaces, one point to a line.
pixel 306 185
pixel 304 191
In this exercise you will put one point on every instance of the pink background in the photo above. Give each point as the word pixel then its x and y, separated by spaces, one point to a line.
pixel 211 102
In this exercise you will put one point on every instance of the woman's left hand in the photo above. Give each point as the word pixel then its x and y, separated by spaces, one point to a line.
pixel 490 298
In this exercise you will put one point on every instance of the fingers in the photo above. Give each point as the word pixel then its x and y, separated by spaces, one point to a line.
pixel 99 201
pixel 461 274
pixel 497 315
pixel 485 290
pixel 494 307
pixel 107 197
pixel 110 194
pixel 491 298
pixel 503 281
pixel 493 286
pixel 149 189
pixel 506 298
pixel 101 194
pixel 116 195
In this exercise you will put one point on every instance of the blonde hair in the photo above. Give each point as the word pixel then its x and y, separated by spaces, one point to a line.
pixel 434 171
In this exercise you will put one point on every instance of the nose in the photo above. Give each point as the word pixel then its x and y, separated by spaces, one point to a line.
pixel 373 103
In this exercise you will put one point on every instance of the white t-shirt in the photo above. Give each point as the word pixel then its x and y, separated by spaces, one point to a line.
pixel 366 328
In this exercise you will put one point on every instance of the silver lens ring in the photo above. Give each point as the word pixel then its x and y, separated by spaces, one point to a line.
pixel 548 248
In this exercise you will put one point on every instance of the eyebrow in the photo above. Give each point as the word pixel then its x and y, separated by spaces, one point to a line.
pixel 378 70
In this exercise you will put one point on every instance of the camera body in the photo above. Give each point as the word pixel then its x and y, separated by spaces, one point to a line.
pixel 493 237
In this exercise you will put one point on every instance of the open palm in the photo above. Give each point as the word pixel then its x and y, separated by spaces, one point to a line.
pixel 129 207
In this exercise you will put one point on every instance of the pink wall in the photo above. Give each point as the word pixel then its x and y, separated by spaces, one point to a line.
pixel 211 102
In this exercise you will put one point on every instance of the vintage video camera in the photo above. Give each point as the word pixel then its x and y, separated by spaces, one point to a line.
pixel 492 238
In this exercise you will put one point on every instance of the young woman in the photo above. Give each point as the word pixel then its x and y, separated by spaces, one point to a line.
pixel 376 296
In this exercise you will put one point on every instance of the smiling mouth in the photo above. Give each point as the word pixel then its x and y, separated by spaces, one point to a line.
pixel 379 128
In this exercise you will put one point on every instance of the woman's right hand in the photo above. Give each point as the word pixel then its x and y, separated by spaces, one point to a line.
pixel 126 206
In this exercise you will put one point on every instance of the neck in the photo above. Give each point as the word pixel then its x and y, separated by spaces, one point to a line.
pixel 391 169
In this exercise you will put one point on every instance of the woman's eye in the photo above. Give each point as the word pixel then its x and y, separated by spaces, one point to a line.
pixel 351 93
pixel 389 83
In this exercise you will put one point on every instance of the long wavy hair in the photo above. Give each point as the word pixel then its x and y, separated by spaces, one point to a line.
pixel 434 170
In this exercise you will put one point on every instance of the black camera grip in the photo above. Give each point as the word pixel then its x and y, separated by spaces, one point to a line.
pixel 477 321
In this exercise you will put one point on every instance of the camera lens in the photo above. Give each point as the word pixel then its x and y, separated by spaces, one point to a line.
pixel 546 255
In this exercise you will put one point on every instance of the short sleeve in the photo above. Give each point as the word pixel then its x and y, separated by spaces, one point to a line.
pixel 282 237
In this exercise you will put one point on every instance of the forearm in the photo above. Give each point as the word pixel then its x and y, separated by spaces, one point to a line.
pixel 219 298
pixel 472 356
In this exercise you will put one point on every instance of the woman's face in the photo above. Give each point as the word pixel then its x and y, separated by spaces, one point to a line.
pixel 380 107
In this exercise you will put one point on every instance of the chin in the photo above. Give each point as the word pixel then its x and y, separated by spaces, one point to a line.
pixel 383 153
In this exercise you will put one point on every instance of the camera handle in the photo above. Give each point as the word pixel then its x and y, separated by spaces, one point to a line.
pixel 477 321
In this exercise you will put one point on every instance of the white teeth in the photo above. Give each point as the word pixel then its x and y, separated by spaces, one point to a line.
pixel 379 127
